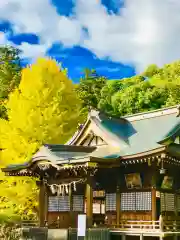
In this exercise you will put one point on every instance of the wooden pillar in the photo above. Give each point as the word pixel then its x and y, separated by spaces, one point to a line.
pixel 153 204
pixel 123 237
pixel 175 237
pixel 89 202
pixel 46 203
pixel 43 204
pixel 118 205
pixel 141 237
pixel 71 207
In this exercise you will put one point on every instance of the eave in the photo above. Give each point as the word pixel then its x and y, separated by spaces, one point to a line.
pixel 151 152
pixel 170 135
pixel 45 156
pixel 174 150
pixel 127 147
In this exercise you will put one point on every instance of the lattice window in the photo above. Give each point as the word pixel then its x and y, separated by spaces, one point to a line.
pixel 143 201
pixel 128 201
pixel 59 204
pixel 53 205
pixel 110 202
pixel 64 203
pixel 167 202
pixel 136 201
pixel 78 203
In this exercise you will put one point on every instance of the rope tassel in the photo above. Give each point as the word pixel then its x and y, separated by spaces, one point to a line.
pixel 62 189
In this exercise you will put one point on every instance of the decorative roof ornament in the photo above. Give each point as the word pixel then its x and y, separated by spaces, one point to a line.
pixel 44 166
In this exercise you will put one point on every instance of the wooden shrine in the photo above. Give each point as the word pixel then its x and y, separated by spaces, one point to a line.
pixel 119 172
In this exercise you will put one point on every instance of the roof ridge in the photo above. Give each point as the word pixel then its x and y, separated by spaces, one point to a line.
pixel 133 117
pixel 152 114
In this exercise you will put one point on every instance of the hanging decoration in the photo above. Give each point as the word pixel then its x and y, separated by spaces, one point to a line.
pixel 64 188
pixel 162 169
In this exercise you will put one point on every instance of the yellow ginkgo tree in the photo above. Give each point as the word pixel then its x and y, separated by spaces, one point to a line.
pixel 43 109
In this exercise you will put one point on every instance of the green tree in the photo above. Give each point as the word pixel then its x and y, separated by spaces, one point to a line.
pixel 151 70
pixel 10 74
pixel 155 88
pixel 107 102
pixel 89 88
pixel 139 98
pixel 43 109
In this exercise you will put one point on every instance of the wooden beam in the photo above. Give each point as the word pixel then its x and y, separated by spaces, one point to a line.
pixel 71 206
pixel 46 203
pixel 42 204
pixel 141 236
pixel 89 202
pixel 123 237
pixel 64 180
pixel 153 192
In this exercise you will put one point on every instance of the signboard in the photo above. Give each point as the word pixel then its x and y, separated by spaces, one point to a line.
pixel 133 180
pixel 167 182
pixel 81 225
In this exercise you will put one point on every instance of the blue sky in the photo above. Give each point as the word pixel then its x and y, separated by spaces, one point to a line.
pixel 118 38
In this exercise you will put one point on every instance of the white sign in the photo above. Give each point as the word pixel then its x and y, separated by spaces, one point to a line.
pixel 157 194
pixel 81 225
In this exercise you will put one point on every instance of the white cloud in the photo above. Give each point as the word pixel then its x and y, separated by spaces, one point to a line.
pixel 28 50
pixel 145 31
pixel 32 51
pixel 41 18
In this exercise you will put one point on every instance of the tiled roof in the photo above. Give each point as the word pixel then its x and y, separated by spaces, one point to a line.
pixel 132 134
pixel 143 132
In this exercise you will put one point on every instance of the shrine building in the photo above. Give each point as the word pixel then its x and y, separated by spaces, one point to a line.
pixel 123 173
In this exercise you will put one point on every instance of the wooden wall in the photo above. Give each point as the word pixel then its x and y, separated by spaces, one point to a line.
pixel 143 216
pixel 59 220
pixel 108 180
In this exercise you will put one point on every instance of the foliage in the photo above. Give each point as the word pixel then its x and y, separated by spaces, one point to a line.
pixel 18 199
pixel 138 98
pixel 43 109
pixel 10 73
pixel 9 232
pixel 153 89
pixel 89 88
pixel 151 70
pixel 113 89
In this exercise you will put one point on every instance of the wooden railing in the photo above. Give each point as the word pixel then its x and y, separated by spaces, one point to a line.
pixel 129 225
pixel 148 226
pixel 171 226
